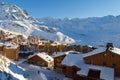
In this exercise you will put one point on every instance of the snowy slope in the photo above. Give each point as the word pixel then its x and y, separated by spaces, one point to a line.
pixel 9 70
pixel 15 19
pixel 93 31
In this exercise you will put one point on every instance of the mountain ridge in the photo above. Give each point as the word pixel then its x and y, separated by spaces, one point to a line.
pixel 88 31
pixel 15 19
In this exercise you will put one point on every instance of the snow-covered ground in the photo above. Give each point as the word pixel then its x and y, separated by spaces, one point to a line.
pixel 10 71
pixel 39 73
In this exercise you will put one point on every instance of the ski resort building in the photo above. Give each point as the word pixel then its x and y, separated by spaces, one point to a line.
pixel 41 59
pixel 108 56
pixel 58 58
pixel 9 50
pixel 77 69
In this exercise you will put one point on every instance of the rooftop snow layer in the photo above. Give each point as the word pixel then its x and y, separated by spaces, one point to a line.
pixel 115 50
pixel 77 60
pixel 44 56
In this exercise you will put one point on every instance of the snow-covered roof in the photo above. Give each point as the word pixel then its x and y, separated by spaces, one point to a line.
pixel 96 51
pixel 56 54
pixel 11 69
pixel 11 47
pixel 44 56
pixel 100 50
pixel 78 61
pixel 1 44
pixel 115 50
pixel 106 73
pixel 11 36
pixel 73 59
pixel 8 45
pixel 55 43
pixel 28 51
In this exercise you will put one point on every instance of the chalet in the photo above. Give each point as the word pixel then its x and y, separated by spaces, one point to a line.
pixel 33 40
pixel 44 41
pixel 87 48
pixel 34 47
pixel 11 51
pixel 34 43
pixel 2 35
pixel 41 59
pixel 58 57
pixel 76 68
pixel 24 50
pixel 108 56
pixel 52 47
pixel 60 47
pixel 11 38
pixel 21 38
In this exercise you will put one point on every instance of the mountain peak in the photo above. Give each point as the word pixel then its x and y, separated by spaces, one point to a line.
pixel 11 11
pixel 15 19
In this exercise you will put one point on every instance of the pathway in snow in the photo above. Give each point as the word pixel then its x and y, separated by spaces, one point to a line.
pixel 38 73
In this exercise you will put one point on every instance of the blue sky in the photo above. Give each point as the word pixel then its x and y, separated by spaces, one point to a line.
pixel 69 8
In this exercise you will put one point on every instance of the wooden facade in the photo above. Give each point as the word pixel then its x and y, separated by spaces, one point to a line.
pixel 1 48
pixel 52 48
pixel 93 74
pixel 40 62
pixel 71 72
pixel 106 58
pixel 63 47
pixel 11 53
pixel 33 40
pixel 57 63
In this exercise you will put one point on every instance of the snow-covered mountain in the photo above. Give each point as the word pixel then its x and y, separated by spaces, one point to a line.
pixel 93 31
pixel 15 19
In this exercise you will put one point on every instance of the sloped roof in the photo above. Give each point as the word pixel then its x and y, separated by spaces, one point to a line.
pixel 9 45
pixel 42 55
pixel 102 49
pixel 106 72
pixel 115 50
pixel 96 51
pixel 56 54
pixel 78 61
pixel 73 59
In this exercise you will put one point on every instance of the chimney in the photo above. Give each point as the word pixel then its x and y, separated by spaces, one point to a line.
pixel 109 46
